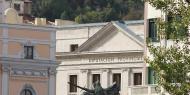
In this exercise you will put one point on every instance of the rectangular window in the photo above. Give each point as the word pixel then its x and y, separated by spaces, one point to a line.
pixel 151 76
pixel 27 8
pixel 73 80
pixel 153 35
pixel 172 30
pixel 17 7
pixel 137 78
pixel 95 77
pixel 117 79
pixel 73 47
pixel 28 52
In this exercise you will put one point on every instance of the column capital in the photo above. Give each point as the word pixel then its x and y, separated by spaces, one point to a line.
pixel 105 70
pixel 125 69
pixel 52 71
pixel 5 68
pixel 84 71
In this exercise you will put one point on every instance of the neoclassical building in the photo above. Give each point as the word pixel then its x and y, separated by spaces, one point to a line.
pixel 108 52
pixel 27 57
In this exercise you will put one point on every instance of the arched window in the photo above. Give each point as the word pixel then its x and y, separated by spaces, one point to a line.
pixel 26 92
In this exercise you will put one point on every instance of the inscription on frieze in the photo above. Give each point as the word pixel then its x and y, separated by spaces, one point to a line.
pixel 115 59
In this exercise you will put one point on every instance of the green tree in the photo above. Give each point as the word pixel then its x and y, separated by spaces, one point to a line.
pixel 172 63
pixel 104 10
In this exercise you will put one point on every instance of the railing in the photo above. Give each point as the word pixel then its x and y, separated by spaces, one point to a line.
pixel 143 90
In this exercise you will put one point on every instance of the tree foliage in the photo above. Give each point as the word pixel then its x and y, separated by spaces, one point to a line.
pixel 85 11
pixel 172 63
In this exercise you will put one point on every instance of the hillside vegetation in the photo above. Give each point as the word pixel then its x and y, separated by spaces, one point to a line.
pixel 88 11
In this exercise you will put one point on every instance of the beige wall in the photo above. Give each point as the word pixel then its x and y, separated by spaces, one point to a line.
pixel 1 45
pixel 115 41
pixel 14 48
pixel 1 32
pixel 29 34
pixel 0 79
pixel 42 51
pixel 152 12
pixel 40 85
pixel 19 37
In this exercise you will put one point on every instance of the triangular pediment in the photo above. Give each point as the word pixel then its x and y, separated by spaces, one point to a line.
pixel 115 36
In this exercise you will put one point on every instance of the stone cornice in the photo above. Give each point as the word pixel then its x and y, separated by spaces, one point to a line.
pixel 5 68
pixel 29 26
pixel 98 35
pixel 107 30
pixel 52 71
pixel 96 53
pixel 101 66
pixel 19 61
pixel 22 40
pixel 28 72
pixel 35 79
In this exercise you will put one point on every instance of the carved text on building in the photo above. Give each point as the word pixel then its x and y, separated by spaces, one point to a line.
pixel 115 59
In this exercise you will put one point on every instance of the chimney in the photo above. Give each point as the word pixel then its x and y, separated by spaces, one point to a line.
pixel 20 19
pixel 58 22
pixel 37 21
pixel 43 21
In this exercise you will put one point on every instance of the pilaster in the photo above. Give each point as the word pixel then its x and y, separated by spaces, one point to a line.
pixel 52 81
pixel 84 79
pixel 105 78
pixel 5 79
pixel 5 42
pixel 125 78
pixel 53 45
pixel 145 76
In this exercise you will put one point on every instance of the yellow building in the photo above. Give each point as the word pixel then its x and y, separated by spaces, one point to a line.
pixel 27 57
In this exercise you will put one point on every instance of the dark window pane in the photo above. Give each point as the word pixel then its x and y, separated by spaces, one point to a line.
pixel 26 92
pixel 28 52
pixel 73 47
pixel 17 7
pixel 137 78
pixel 73 80
pixel 172 30
pixel 95 77
pixel 117 79
pixel 153 30
pixel 151 76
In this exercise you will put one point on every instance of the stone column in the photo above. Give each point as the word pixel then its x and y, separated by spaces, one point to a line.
pixel 5 42
pixel 5 80
pixel 145 76
pixel 53 46
pixel 105 78
pixel 125 78
pixel 84 80
pixel 52 82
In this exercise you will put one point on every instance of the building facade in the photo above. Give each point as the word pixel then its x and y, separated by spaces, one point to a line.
pixel 23 7
pixel 109 52
pixel 27 58
pixel 150 16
